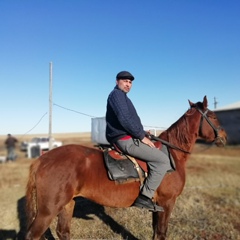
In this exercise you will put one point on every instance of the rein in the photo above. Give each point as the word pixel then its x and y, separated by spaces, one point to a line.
pixel 167 143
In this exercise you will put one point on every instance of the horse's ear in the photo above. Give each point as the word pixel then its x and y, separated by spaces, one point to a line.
pixel 190 103
pixel 205 102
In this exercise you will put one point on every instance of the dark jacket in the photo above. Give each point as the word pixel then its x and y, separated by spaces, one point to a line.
pixel 10 142
pixel 122 118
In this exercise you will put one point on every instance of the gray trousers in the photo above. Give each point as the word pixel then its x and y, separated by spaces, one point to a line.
pixel 157 161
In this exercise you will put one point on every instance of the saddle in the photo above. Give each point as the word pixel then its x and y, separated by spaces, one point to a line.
pixel 123 168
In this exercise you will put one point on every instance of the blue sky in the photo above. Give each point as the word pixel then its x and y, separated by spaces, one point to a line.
pixel 177 50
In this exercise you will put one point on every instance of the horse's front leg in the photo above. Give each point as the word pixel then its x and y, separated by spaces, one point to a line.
pixel 64 221
pixel 160 221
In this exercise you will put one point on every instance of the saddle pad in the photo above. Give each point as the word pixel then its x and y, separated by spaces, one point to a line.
pixel 120 170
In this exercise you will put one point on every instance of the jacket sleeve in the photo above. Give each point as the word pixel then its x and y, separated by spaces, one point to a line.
pixel 126 114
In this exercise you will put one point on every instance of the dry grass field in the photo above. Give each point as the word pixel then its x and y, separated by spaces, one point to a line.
pixel 208 208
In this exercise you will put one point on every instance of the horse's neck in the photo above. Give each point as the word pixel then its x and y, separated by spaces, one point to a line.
pixel 184 132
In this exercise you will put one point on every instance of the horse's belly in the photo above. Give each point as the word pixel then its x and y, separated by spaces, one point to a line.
pixel 108 193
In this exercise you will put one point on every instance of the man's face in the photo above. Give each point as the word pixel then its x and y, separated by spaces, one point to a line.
pixel 124 84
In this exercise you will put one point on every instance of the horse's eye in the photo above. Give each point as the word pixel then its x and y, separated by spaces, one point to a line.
pixel 214 117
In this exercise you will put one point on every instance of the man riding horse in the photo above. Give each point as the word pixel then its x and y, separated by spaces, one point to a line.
pixel 125 130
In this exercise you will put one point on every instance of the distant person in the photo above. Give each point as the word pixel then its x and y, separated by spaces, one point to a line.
pixel 10 145
pixel 124 128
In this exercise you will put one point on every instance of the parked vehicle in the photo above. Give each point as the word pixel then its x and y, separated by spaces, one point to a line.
pixel 23 146
pixel 42 142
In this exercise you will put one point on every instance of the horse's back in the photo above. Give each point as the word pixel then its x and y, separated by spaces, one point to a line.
pixel 61 167
pixel 68 156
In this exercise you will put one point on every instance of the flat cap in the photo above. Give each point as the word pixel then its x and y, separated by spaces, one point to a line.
pixel 125 75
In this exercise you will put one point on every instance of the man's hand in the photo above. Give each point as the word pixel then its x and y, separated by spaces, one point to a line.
pixel 148 142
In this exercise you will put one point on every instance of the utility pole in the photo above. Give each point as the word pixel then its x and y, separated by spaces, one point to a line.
pixel 50 106
pixel 215 103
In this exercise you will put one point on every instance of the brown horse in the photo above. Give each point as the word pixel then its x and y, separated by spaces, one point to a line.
pixel 69 171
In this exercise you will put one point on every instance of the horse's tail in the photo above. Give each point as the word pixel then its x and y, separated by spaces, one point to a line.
pixel 31 194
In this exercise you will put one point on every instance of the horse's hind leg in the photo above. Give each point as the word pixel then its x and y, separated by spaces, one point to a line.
pixel 38 227
pixel 64 221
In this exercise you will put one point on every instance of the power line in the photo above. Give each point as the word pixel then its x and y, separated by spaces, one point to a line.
pixel 154 127
pixel 95 116
pixel 74 111
pixel 35 124
pixel 47 112
pixel 68 109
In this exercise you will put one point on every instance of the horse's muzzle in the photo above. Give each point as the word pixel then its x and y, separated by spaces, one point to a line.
pixel 220 141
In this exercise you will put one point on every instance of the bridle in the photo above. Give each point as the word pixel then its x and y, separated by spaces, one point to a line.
pixel 215 129
pixel 204 116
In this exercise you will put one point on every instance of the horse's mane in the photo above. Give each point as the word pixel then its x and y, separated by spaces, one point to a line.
pixel 179 132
